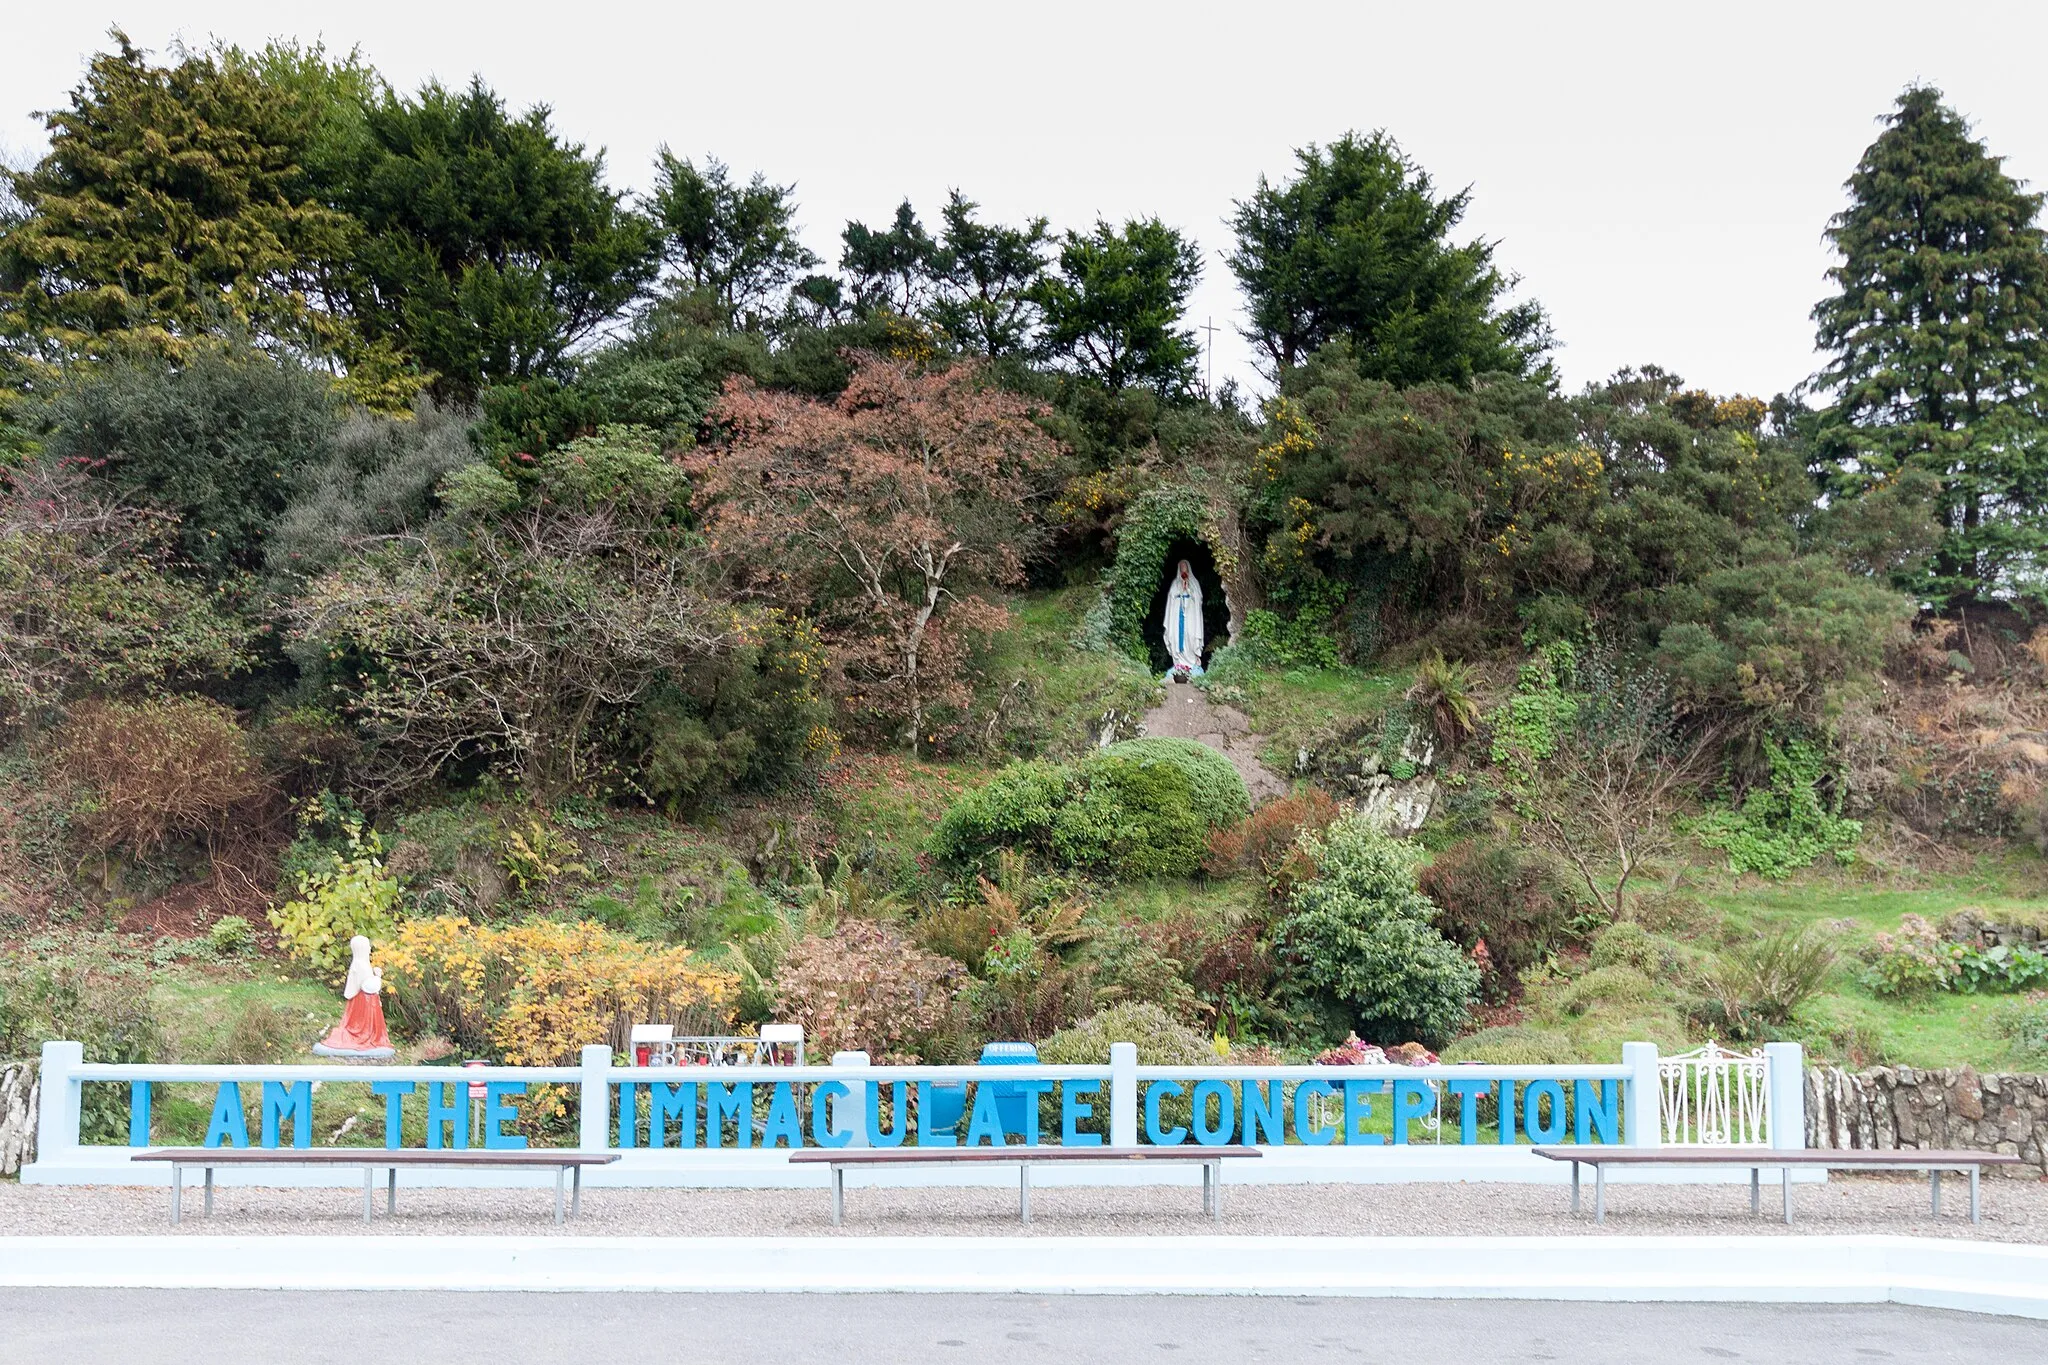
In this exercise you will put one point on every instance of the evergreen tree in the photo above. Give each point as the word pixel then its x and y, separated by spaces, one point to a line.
pixel 1937 344
pixel 1357 248
pixel 991 275
pixel 734 242
pixel 1113 308
pixel 172 205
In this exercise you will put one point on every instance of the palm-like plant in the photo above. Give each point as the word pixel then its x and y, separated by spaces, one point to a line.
pixel 1444 689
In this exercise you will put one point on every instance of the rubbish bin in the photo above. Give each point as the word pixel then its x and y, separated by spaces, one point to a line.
pixel 1013 1101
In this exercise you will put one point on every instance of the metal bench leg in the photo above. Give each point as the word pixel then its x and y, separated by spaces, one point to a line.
pixel 391 1190
pixel 1207 1202
pixel 558 1194
pixel 1785 1186
pixel 369 1190
pixel 838 1195
pixel 1575 1187
pixel 1975 1212
pixel 1216 1191
pixel 209 1191
pixel 1600 1192
pixel 177 1194
pixel 1755 1192
pixel 1934 1183
pixel 1023 1191
pixel 576 1193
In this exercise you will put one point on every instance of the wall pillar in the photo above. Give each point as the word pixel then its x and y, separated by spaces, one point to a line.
pixel 1641 1096
pixel 594 1111
pixel 1785 1079
pixel 1123 1094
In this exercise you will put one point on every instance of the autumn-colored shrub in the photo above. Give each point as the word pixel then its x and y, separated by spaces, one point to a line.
pixel 157 770
pixel 1265 841
pixel 866 988
pixel 1514 902
pixel 535 994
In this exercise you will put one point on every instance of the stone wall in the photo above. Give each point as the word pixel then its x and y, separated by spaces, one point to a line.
pixel 17 1115
pixel 1888 1108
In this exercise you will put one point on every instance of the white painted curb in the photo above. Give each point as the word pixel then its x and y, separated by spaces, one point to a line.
pixel 1973 1276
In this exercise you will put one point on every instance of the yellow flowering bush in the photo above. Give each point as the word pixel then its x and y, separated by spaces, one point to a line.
pixel 536 993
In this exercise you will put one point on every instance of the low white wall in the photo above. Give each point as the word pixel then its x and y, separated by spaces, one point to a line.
pixel 1972 1276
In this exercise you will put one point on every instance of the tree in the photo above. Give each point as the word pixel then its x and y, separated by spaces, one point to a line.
pixel 172 205
pixel 553 596
pixel 491 248
pixel 886 509
pixel 990 276
pixel 1357 247
pixel 737 243
pixel 87 599
pixel 892 270
pixel 1937 345
pixel 1113 309
pixel 217 440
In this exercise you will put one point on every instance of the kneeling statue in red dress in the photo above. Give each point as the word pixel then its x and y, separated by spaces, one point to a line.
pixel 361 1032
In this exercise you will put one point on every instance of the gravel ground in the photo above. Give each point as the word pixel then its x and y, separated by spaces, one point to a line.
pixel 2014 1211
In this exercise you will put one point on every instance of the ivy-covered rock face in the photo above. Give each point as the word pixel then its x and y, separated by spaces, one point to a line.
pixel 1156 519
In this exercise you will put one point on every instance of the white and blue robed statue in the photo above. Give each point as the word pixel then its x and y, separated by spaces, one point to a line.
pixel 1182 626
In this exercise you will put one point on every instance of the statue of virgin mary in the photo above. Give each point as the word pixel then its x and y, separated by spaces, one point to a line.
pixel 1182 626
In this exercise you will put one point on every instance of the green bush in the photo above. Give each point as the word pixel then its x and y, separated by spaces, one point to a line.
pixel 1914 961
pixel 1627 944
pixel 1141 809
pixel 352 895
pixel 1514 902
pixel 1785 825
pixel 1161 1041
pixel 1765 980
pixel 1217 791
pixel 1133 818
pixel 100 1005
pixel 230 936
pixel 1361 932
pixel 2027 1026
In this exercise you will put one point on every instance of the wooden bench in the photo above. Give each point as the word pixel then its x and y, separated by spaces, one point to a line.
pixel 372 1160
pixel 1210 1159
pixel 1760 1159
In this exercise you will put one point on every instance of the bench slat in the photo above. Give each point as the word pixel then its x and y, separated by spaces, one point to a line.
pixel 1838 1158
pixel 370 1156
pixel 947 1156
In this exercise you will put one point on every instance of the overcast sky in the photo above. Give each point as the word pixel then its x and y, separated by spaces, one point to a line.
pixel 1658 175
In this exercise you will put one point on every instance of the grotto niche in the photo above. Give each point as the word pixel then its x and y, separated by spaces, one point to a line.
pixel 1215 605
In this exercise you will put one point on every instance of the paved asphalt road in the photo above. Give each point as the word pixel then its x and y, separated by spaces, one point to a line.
pixel 62 1326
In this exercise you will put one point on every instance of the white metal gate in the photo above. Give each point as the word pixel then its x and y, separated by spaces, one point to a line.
pixel 1712 1097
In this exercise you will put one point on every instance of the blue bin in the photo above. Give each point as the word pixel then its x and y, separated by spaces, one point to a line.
pixel 1013 1101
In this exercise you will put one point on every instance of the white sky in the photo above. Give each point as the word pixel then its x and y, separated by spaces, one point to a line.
pixel 1658 174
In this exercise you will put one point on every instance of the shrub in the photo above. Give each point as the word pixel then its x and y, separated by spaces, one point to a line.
pixel 1785 825
pixel 1360 932
pixel 262 1035
pixel 1265 841
pixel 1443 690
pixel 350 895
pixel 1161 1041
pixel 1135 813
pixel 1133 818
pixel 230 936
pixel 535 994
pixel 157 770
pixel 1914 961
pixel 2027 1026
pixel 1513 902
pixel 2002 967
pixel 1627 944
pixel 866 987
pixel 1764 981
pixel 1127 968
pixel 103 1007
pixel 1216 791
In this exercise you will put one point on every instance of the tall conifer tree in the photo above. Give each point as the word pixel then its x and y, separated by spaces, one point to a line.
pixel 1938 348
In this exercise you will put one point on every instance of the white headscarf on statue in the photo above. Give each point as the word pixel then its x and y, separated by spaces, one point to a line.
pixel 362 977
pixel 1181 629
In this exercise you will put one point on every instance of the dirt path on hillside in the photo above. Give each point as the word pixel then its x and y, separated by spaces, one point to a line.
pixel 1187 713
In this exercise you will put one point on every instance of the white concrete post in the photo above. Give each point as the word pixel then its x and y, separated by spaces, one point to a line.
pixel 849 1113
pixel 1123 1094
pixel 1643 1095
pixel 1785 1093
pixel 594 1110
pixel 57 1102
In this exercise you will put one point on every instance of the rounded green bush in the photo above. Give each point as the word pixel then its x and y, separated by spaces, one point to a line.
pixel 1627 944
pixel 1014 809
pixel 1161 1040
pixel 1132 817
pixel 1218 793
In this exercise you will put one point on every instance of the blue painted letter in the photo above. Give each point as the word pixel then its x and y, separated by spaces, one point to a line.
pixel 665 1102
pixel 1468 1093
pixel 735 1102
pixel 1226 1113
pixel 826 1097
pixel 1602 1115
pixel 1154 1093
pixel 1358 1108
pixel 447 1103
pixel 394 1093
pixel 295 1100
pixel 1073 1109
pixel 228 1124
pixel 1532 1095
pixel 1412 1099
pixel 1305 1112
pixel 899 1109
pixel 784 1124
pixel 1264 1114
pixel 497 1114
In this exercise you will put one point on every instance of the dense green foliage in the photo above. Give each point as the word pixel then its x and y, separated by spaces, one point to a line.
pixel 1937 340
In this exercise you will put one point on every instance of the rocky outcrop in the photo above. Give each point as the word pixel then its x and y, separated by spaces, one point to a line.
pixel 17 1115
pixel 1890 1108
